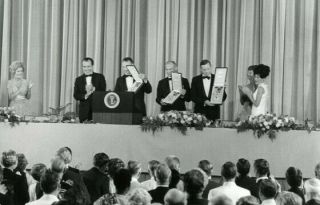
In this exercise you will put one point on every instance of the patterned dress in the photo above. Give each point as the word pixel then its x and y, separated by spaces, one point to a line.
pixel 19 95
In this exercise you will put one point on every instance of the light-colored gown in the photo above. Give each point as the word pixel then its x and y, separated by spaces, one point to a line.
pixel 262 108
pixel 19 96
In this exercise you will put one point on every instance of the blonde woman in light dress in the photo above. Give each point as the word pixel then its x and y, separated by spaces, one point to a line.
pixel 19 90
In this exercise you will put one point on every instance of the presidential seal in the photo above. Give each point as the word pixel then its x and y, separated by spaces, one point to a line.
pixel 112 100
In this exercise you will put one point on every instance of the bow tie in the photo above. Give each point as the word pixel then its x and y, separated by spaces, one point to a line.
pixel 127 76
pixel 88 75
pixel 206 77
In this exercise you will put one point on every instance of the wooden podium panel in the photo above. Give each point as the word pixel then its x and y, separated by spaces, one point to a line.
pixel 122 112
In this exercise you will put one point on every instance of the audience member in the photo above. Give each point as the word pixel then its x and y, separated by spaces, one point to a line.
pixel 221 200
pixel 139 196
pixel 294 179
pixel 288 198
pixel 267 191
pixel 229 187
pixel 35 191
pixel 243 180
pixel 151 183
pixel 173 163
pixel 73 196
pixel 207 167
pixel 21 168
pixel 248 200
pixel 317 171
pixel 194 186
pixel 49 183
pixel 96 179
pixel 122 180
pixel 312 191
pixel 175 197
pixel 16 184
pixel 162 176
pixel 114 165
pixel 5 197
pixel 134 168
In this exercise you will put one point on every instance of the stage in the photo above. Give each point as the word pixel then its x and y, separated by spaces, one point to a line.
pixel 39 141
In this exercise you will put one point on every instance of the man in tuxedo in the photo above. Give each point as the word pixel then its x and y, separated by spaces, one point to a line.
pixel 84 86
pixel 243 180
pixel 207 167
pixel 201 89
pixel 165 87
pixel 163 175
pixel 125 83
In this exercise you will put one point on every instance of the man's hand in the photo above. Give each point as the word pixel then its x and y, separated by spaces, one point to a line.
pixel 182 91
pixel 3 189
pixel 162 102
pixel 208 103
pixel 89 88
pixel 143 77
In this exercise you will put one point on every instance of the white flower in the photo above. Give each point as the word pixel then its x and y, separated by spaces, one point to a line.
pixel 265 123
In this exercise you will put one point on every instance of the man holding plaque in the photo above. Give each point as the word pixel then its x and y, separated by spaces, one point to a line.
pixel 173 84
pixel 133 82
pixel 84 86
pixel 201 91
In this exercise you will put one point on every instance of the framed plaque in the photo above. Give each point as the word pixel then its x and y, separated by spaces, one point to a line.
pixel 172 97
pixel 218 85
pixel 176 79
pixel 135 74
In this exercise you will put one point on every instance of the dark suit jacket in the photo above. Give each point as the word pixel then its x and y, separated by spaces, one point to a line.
pixel 248 183
pixel 196 201
pixel 164 89
pixel 211 185
pixel 175 178
pixel 140 106
pixel 313 202
pixel 299 192
pixel 97 183
pixel 85 107
pixel 198 96
pixel 158 194
pixel 17 185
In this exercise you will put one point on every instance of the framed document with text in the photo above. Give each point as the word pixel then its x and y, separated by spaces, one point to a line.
pixel 176 79
pixel 218 85
pixel 135 74
pixel 172 97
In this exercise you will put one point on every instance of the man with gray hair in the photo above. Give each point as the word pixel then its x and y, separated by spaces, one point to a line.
pixel 175 197
pixel 165 86
pixel 312 191
pixel 162 176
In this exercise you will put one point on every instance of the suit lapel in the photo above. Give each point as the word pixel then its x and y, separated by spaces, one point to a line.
pixel 202 86
pixel 167 86
pixel 125 88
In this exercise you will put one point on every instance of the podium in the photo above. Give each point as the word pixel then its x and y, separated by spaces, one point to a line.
pixel 115 108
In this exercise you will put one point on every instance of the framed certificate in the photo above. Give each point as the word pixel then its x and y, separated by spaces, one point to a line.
pixel 218 85
pixel 135 74
pixel 172 97
pixel 176 79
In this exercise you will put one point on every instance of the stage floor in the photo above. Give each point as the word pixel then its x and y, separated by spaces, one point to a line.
pixel 39 142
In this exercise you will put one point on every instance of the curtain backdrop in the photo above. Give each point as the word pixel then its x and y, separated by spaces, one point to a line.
pixel 51 38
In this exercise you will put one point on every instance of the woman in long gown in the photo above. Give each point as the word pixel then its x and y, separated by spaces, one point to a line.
pixel 259 97
pixel 19 90
pixel 244 99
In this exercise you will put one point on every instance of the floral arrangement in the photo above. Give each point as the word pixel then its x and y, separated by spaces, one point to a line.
pixel 179 120
pixel 7 114
pixel 268 124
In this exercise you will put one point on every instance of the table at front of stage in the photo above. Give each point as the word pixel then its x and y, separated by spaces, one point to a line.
pixel 39 141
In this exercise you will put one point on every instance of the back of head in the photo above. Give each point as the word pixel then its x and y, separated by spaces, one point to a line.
pixel 9 158
pixel 312 189
pixel 193 182
pixel 100 160
pixel 175 197
pixel 267 189
pixel 114 165
pixel 139 196
pixel 294 177
pixel 248 200
pixel 65 153
pixel 152 167
pixel 163 174
pixel 262 70
pixel 122 180
pixel 38 170
pixel 243 167
pixel 288 198
pixel 58 165
pixel 261 167
pixel 134 168
pixel 228 171
pixel 221 200
pixel 173 162
pixel 206 166
pixel 75 195
pixel 22 162
pixel 49 181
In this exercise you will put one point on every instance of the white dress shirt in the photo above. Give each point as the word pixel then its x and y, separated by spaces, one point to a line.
pixel 206 85
pixel 89 80
pixel 129 82
pixel 170 84
pixel 46 199
pixel 231 190
pixel 134 184
pixel 268 202
pixel 149 184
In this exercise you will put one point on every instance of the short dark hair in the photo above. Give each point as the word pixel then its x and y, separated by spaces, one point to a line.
pixel 252 67
pixel 100 159
pixel 268 188
pixel 294 177
pixel 204 62
pixel 88 59
pixel 206 166
pixel 193 182
pixel 262 167
pixel 37 171
pixel 163 173
pixel 114 165
pixel 134 167
pixel 49 181
pixel 22 162
pixel 262 70
pixel 153 165
pixel 122 180
pixel 128 59
pixel 243 166
pixel 228 170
